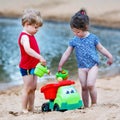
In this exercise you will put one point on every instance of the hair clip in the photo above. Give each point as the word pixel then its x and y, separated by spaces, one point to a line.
pixel 83 12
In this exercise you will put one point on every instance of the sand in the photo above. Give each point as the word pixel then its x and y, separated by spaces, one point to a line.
pixel 108 107
pixel 101 12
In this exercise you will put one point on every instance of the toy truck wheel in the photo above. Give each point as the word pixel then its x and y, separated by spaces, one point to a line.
pixel 56 107
pixel 45 107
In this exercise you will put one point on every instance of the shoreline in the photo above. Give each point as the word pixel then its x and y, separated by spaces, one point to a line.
pixel 93 21
pixel 62 10
pixel 50 80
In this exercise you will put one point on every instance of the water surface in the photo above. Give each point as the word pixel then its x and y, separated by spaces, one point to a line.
pixel 53 39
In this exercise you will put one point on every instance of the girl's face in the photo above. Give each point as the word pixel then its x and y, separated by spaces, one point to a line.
pixel 31 29
pixel 78 32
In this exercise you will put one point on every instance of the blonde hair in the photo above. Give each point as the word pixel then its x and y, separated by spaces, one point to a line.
pixel 32 16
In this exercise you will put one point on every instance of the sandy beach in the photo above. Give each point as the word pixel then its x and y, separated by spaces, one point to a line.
pixel 106 13
pixel 108 107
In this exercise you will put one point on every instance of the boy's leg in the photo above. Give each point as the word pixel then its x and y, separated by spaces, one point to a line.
pixel 26 91
pixel 91 79
pixel 83 80
pixel 32 94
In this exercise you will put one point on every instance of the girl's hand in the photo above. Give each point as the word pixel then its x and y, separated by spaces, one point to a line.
pixel 59 68
pixel 110 61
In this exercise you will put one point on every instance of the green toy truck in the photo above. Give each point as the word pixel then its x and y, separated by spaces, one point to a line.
pixel 62 96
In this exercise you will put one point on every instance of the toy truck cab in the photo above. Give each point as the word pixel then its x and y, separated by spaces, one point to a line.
pixel 67 98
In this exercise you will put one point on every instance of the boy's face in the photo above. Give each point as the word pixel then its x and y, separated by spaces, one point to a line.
pixel 78 32
pixel 32 29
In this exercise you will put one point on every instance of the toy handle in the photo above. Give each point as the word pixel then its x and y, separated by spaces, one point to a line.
pixel 62 71
pixel 43 64
pixel 43 68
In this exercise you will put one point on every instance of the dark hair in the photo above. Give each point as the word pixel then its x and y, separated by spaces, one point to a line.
pixel 80 20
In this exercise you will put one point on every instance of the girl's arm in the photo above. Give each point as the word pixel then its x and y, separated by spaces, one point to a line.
pixel 65 57
pixel 30 51
pixel 105 52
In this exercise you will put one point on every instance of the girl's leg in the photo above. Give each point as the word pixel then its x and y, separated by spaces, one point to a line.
pixel 83 80
pixel 26 91
pixel 91 79
pixel 32 94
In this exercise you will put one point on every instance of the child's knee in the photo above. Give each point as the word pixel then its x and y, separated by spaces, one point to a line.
pixel 84 88
pixel 33 90
pixel 29 90
pixel 90 87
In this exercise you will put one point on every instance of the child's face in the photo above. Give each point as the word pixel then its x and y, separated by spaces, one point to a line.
pixel 32 29
pixel 78 32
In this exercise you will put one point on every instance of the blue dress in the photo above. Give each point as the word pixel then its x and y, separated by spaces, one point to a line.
pixel 85 49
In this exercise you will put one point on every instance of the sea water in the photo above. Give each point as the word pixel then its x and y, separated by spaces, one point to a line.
pixel 53 38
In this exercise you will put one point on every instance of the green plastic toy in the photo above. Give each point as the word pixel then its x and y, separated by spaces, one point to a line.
pixel 62 75
pixel 67 99
pixel 62 96
pixel 41 70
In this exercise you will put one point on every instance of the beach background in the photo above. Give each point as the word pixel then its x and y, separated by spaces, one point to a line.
pixel 103 13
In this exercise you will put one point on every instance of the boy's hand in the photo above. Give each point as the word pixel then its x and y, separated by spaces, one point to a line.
pixel 42 61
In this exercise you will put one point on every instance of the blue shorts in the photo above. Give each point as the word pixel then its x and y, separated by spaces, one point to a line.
pixel 27 71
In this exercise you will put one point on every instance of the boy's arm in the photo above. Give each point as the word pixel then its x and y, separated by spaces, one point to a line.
pixel 105 52
pixel 65 57
pixel 30 51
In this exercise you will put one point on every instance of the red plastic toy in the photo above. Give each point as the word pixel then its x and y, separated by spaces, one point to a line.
pixel 50 90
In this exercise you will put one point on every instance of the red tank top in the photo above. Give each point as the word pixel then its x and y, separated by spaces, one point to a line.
pixel 27 61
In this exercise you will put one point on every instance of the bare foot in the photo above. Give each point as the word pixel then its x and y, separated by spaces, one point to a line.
pixel 94 105
pixel 18 113
pixel 24 111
